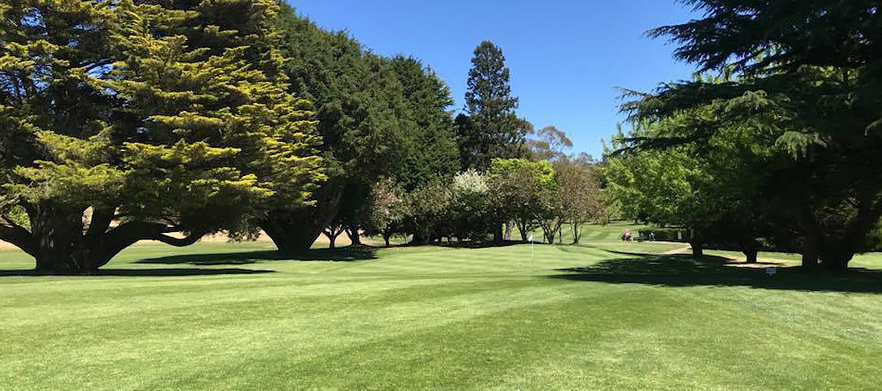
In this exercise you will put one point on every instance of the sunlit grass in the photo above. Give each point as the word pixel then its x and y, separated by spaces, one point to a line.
pixel 598 316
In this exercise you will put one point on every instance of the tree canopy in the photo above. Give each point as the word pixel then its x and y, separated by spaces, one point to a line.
pixel 378 118
pixel 126 121
pixel 799 90
pixel 490 128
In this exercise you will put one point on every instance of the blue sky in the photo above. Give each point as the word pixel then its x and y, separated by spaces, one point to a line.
pixel 566 57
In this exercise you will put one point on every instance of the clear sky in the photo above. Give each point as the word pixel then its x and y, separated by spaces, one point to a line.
pixel 566 56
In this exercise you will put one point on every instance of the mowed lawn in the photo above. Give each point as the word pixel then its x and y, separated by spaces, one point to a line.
pixel 605 315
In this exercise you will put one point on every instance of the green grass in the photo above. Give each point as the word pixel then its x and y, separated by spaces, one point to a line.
pixel 596 316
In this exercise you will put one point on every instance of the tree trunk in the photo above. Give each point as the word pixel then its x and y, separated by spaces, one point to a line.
pixel 810 261
pixel 832 253
pixel 522 228
pixel 810 241
pixel 576 234
pixel 751 255
pixel 386 237
pixel 58 232
pixel 697 243
pixel 61 243
pixel 552 230
pixel 332 233
pixel 332 240
pixel 297 230
pixel 354 236
pixel 419 238
pixel 498 235
pixel 64 246
pixel 836 261
pixel 697 249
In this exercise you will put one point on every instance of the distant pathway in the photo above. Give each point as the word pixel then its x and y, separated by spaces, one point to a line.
pixel 677 250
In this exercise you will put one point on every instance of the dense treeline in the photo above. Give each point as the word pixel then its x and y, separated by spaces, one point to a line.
pixel 397 161
pixel 378 117
pixel 171 120
pixel 776 144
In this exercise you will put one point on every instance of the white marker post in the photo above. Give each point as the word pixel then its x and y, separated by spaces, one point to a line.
pixel 531 251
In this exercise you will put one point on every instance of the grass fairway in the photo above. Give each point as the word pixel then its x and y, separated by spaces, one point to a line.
pixel 605 315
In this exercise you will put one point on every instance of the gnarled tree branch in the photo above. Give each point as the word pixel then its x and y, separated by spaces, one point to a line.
pixel 180 242
pixel 129 233
pixel 100 222
pixel 18 236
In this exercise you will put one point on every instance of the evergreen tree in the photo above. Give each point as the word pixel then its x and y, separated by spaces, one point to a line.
pixel 687 186
pixel 378 118
pixel 492 129
pixel 807 89
pixel 434 152
pixel 124 122
pixel 335 73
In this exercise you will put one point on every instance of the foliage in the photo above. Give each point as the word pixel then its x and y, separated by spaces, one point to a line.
pixel 388 208
pixel 807 101
pixel 429 209
pixel 518 185
pixel 490 128
pixel 160 117
pixel 471 206
pixel 379 118
pixel 549 143
pixel 578 192
pixel 711 189
pixel 427 98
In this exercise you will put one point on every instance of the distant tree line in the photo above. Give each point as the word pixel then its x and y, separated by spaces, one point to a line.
pixel 473 206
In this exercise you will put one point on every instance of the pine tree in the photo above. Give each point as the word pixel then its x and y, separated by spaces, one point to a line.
pixel 378 118
pixel 359 104
pixel 492 130
pixel 125 122
pixel 803 99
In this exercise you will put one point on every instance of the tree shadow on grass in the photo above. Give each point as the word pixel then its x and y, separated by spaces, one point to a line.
pixel 684 271
pixel 176 272
pixel 479 245
pixel 348 254
pixel 626 253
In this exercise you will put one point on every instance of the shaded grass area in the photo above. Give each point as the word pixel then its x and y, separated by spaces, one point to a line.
pixel 605 315
pixel 684 271
pixel 250 257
